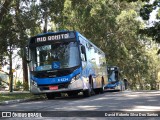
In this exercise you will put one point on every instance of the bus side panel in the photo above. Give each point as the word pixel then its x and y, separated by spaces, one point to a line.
pixel 95 63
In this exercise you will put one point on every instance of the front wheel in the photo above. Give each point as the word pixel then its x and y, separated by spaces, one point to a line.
pixel 72 94
pixel 50 96
pixel 53 95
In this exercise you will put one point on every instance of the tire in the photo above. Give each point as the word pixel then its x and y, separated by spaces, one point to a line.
pixel 102 87
pixel 89 92
pixel 50 96
pixel 72 94
pixel 97 91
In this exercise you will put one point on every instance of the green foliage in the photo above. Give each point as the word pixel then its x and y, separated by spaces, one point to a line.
pixel 145 13
pixel 25 86
pixel 18 85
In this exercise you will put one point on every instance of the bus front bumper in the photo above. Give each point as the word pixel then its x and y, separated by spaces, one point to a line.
pixel 61 88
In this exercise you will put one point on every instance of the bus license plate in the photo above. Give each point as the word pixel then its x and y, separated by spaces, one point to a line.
pixel 53 87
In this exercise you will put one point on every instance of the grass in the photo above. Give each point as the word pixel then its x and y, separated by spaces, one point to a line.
pixel 7 97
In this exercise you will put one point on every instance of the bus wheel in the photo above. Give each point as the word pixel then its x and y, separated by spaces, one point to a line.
pixel 50 96
pixel 87 93
pixel 102 87
pixel 72 94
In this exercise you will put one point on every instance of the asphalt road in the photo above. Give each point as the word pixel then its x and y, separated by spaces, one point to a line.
pixel 108 105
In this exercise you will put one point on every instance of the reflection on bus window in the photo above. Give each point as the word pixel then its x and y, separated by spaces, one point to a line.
pixel 65 53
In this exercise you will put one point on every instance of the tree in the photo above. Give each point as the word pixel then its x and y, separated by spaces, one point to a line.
pixel 145 12
pixel 114 27
pixel 4 6
pixel 22 19
pixel 14 33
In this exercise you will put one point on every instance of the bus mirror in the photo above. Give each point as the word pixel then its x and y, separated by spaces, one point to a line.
pixel 83 50
pixel 82 57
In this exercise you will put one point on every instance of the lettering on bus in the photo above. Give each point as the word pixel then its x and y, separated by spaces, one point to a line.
pixel 63 79
pixel 52 37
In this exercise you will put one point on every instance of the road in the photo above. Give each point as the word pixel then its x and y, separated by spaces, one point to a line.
pixel 126 101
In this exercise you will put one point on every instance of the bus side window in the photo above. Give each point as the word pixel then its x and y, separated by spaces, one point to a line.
pixel 83 53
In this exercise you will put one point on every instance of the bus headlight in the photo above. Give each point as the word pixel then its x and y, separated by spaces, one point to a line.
pixel 34 83
pixel 75 78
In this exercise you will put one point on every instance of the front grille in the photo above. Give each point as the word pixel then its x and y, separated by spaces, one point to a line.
pixel 60 86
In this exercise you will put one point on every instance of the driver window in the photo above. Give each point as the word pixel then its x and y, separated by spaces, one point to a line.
pixel 83 53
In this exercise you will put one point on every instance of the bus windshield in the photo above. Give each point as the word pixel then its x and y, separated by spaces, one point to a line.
pixel 55 56
pixel 112 74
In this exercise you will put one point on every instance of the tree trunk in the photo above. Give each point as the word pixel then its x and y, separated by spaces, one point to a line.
pixel 25 70
pixel 45 22
pixel 10 71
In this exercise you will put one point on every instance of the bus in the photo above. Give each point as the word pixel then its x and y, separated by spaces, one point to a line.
pixel 115 81
pixel 65 62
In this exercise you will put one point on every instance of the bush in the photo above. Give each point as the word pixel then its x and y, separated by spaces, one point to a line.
pixel 25 86
pixel 18 86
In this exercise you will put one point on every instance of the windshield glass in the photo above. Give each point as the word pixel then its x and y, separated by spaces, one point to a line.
pixel 112 75
pixel 55 56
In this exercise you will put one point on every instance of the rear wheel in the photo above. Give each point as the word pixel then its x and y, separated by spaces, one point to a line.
pixel 102 87
pixel 97 91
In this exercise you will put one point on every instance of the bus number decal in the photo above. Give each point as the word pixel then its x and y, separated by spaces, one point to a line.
pixel 63 79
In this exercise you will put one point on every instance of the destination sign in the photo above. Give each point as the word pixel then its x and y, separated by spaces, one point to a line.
pixel 54 37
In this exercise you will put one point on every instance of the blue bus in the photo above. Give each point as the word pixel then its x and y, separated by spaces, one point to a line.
pixel 115 81
pixel 65 62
